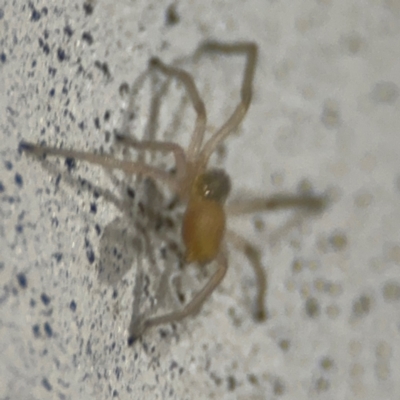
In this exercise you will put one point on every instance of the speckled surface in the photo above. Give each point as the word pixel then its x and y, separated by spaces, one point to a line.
pixel 325 111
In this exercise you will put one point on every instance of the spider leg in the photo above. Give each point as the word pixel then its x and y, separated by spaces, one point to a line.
pixel 198 104
pixel 105 161
pixel 191 308
pixel 164 147
pixel 253 255
pixel 306 202
pixel 250 50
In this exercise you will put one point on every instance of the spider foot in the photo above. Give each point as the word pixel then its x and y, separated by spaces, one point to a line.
pixel 25 146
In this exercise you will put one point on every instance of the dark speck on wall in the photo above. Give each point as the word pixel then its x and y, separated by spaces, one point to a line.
pixel 72 306
pixel 81 125
pixel 312 307
pixel 130 192
pixel 44 46
pixel 35 15
pixel 90 255
pixel 58 180
pixel 231 383
pixel 87 37
pixel 89 251
pixel 1 187
pixel 58 256
pixel 52 92
pixel 36 330
pixel 70 163
pixel 89 345
pixel 68 31
pixel 8 165
pixel 46 384
pixel 103 67
pixel 93 208
pixel 52 71
pixel 22 281
pixel 163 333
pixel 362 306
pixel 60 54
pixel 18 179
pixel 107 115
pixel 45 299
pixel 88 8
pixel 3 57
pixel 123 89
pixel 118 372
pixel 97 123
pixel 48 329
pixel 171 15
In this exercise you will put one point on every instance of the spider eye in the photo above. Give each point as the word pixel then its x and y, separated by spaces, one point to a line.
pixel 214 184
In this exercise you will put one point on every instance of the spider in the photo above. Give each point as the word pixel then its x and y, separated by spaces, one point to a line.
pixel 204 190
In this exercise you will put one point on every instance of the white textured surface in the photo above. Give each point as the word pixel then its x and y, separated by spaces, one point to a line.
pixel 326 109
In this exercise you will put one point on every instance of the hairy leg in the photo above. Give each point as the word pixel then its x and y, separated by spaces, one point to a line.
pixel 308 202
pixel 198 104
pixel 105 161
pixel 164 147
pixel 250 50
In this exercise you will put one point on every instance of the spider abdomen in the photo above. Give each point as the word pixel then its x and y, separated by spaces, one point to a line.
pixel 203 230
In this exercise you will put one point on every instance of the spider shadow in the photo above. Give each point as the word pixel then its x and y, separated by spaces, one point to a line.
pixel 145 220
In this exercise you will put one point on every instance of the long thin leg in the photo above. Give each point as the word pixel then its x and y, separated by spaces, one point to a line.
pixel 164 147
pixel 191 308
pixel 251 51
pixel 278 202
pixel 254 257
pixel 187 80
pixel 106 161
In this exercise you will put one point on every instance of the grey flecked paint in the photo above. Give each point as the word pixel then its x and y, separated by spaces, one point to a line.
pixel 325 111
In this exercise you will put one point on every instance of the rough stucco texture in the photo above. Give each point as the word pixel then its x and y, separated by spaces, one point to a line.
pixel 75 239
